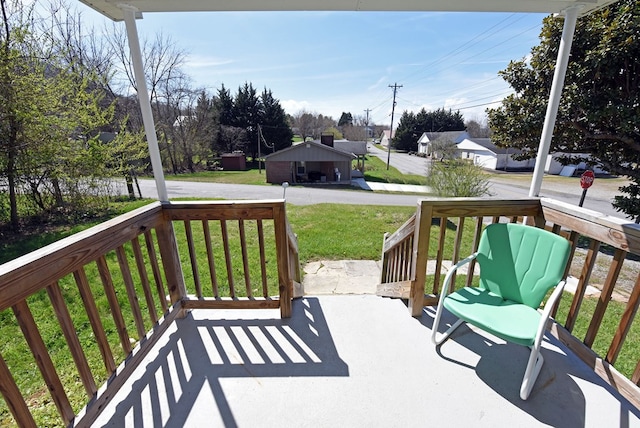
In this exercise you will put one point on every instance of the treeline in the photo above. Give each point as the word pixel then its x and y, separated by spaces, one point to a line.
pixel 70 122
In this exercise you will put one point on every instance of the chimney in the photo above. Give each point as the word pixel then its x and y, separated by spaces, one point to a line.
pixel 327 140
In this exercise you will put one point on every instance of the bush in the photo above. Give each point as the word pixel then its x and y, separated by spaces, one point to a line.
pixel 456 178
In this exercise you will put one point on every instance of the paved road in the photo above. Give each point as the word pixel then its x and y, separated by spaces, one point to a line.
pixel 404 163
pixel 596 200
pixel 294 194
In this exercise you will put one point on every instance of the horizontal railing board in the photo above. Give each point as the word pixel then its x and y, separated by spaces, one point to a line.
pixel 619 233
pixel 237 303
pixel 405 231
pixel 221 210
pixel 473 207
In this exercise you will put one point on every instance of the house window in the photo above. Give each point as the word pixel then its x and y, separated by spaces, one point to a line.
pixel 301 168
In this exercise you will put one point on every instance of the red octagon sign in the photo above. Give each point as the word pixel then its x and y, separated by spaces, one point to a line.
pixel 586 180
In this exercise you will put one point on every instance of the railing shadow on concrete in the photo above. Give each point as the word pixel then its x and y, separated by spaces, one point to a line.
pixel 204 349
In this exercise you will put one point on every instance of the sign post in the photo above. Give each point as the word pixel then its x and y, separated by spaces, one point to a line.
pixel 586 180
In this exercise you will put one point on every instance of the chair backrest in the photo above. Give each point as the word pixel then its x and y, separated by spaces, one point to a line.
pixel 521 263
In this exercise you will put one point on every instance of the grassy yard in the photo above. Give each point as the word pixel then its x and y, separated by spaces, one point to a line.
pixel 325 232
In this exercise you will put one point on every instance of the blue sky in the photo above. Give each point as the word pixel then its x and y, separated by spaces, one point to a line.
pixel 330 62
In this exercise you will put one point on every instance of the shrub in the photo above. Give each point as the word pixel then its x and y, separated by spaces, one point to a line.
pixel 457 178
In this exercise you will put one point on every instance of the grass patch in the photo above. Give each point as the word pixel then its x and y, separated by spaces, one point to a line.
pixel 250 176
pixel 376 170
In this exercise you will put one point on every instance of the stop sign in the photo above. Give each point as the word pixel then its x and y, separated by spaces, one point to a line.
pixel 586 180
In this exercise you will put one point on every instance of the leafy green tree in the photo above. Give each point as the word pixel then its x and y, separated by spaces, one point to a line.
pixel 412 125
pixel 276 132
pixel 600 105
pixel 50 117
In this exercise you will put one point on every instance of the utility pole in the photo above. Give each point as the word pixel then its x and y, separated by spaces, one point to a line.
pixel 366 124
pixel 393 108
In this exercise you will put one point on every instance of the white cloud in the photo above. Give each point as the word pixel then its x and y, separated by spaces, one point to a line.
pixel 293 106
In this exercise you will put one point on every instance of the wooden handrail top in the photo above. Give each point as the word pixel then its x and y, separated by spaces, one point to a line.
pixel 221 210
pixel 617 232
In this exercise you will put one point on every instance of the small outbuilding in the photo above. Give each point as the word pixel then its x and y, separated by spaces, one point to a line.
pixel 309 162
pixel 234 162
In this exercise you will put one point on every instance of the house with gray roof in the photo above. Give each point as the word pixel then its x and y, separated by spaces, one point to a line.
pixel 427 138
pixel 309 162
pixel 487 155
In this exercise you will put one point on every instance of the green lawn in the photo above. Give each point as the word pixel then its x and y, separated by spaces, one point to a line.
pixel 325 232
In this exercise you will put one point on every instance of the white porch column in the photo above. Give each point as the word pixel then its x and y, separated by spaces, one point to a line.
pixel 144 100
pixel 570 18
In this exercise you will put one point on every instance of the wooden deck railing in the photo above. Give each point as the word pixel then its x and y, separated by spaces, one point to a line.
pixel 111 291
pixel 436 232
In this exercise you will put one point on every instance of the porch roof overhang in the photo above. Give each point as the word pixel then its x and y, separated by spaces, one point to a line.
pixel 112 9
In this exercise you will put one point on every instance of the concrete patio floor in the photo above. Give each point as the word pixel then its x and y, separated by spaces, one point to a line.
pixel 352 361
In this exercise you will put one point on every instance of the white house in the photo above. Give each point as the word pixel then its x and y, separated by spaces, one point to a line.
pixel 553 166
pixel 385 138
pixel 487 155
pixel 427 138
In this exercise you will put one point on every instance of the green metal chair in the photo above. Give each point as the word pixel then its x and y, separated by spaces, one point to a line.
pixel 518 265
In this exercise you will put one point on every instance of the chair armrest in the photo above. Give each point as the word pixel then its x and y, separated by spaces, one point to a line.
pixel 447 280
pixel 546 312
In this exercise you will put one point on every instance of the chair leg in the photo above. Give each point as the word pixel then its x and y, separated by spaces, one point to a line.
pixel 434 333
pixel 532 371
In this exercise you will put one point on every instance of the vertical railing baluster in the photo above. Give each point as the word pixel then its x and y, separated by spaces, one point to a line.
pixel 476 242
pixel 192 258
pixel 13 398
pixel 94 319
pixel 71 337
pixel 583 281
pixel 227 257
pixel 110 292
pixel 210 258
pixel 625 323
pixel 131 291
pixel 43 360
pixel 605 296
pixel 440 254
pixel 144 279
pixel 245 258
pixel 155 268
pixel 263 260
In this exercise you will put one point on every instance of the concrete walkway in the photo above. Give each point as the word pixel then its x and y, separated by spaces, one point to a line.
pixel 389 187
pixel 363 276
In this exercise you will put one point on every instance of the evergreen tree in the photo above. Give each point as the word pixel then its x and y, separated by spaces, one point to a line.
pixel 346 119
pixel 276 132
pixel 411 126
pixel 246 115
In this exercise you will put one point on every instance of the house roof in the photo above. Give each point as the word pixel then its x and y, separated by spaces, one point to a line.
pixel 385 133
pixel 455 136
pixel 309 151
pixel 111 9
pixel 487 144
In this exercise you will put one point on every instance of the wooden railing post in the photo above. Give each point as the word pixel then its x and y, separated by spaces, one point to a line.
pixel 282 250
pixel 419 260
pixel 171 260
